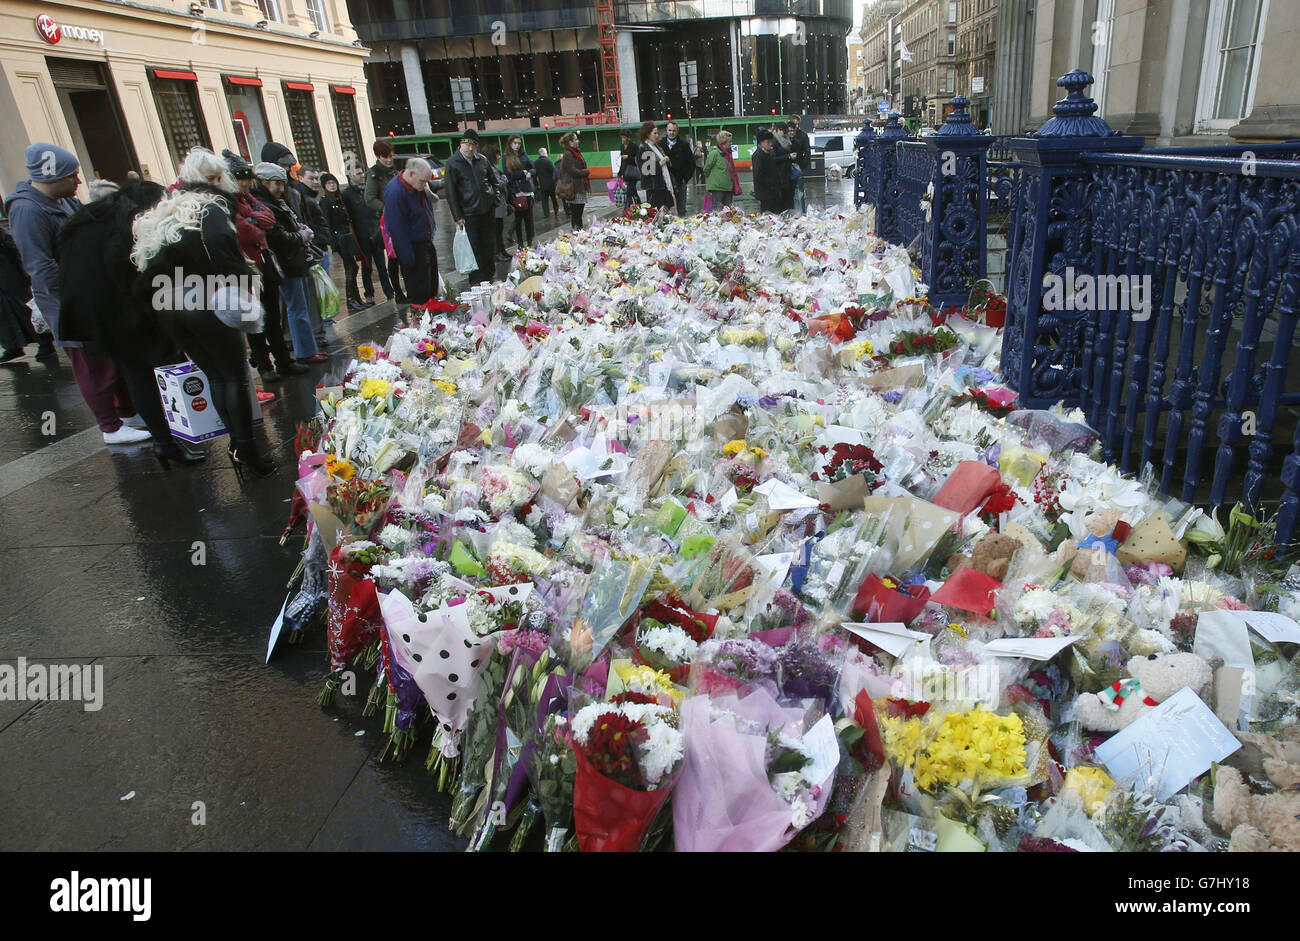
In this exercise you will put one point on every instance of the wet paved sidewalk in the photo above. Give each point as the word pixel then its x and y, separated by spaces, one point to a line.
pixel 98 550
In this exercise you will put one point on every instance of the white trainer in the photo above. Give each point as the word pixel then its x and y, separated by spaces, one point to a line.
pixel 135 421
pixel 126 435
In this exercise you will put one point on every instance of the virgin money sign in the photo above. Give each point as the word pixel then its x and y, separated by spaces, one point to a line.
pixel 52 32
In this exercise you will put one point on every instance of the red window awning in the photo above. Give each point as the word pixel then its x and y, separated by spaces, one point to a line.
pixel 175 73
pixel 243 80
pixel 343 89
pixel 300 86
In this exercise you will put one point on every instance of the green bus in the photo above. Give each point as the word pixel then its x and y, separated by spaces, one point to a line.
pixel 600 142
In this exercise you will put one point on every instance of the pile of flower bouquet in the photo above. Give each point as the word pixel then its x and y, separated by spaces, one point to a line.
pixel 711 534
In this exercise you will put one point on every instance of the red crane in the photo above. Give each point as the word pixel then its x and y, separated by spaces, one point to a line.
pixel 611 94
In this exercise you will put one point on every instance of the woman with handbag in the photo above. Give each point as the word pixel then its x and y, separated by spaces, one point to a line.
pixel 519 170
pixel 628 171
pixel 253 220
pixel 575 179
pixel 656 179
pixel 721 176
pixel 342 241
pixel 192 233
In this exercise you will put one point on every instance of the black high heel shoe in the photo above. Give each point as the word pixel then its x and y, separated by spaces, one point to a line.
pixel 259 466
pixel 170 452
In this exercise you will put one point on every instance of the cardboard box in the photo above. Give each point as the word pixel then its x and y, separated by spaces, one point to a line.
pixel 187 402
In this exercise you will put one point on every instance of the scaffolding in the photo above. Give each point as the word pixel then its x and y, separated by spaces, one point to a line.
pixel 611 94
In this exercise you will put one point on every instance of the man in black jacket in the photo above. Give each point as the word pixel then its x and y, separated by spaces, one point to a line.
pixel 377 178
pixel 546 182
pixel 365 225
pixel 472 201
pixel 771 173
pixel 681 164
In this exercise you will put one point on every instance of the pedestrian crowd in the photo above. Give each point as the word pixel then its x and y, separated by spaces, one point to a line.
pixel 84 278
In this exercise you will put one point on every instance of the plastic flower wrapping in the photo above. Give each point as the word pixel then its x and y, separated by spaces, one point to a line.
pixel 711 533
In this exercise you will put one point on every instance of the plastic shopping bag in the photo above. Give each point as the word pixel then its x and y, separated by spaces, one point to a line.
pixel 388 242
pixel 327 293
pixel 38 319
pixel 464 252
pixel 618 195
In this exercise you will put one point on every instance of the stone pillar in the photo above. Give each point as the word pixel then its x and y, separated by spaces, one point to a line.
pixel 1045 350
pixel 1276 111
pixel 952 251
pixel 1139 45
pixel 415 94
pixel 627 78
pixel 737 98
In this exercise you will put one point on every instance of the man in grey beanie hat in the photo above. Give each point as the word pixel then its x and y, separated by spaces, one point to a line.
pixel 37 209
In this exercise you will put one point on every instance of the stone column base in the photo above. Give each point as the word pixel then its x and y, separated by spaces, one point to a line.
pixel 1269 122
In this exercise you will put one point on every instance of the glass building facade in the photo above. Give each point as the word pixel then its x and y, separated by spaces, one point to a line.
pixel 530 60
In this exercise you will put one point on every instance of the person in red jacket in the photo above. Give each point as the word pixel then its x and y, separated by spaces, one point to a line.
pixel 253 220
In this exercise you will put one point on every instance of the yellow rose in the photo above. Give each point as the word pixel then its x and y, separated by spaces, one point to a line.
pixel 732 448
pixel 375 388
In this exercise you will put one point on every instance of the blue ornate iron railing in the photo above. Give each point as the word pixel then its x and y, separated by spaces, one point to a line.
pixel 1158 289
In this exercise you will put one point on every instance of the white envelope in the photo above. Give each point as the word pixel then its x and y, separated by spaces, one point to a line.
pixel 894 638
pixel 1169 745
pixel 1032 648
pixel 1274 628
pixel 781 496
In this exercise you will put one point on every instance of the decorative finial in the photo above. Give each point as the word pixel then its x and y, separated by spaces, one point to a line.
pixel 958 123
pixel 1076 113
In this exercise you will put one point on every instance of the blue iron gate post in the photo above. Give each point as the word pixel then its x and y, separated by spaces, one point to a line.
pixel 952 252
pixel 882 178
pixel 1045 351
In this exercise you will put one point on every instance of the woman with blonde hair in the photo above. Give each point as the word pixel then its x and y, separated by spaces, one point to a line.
pixel 186 249
pixel 721 177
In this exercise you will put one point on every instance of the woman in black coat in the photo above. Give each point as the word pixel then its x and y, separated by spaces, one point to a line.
pixel 342 239
pixel 15 291
pixel 100 309
pixel 628 170
pixel 189 233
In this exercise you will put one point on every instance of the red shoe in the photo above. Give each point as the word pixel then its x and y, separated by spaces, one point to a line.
pixel 264 397
pixel 318 358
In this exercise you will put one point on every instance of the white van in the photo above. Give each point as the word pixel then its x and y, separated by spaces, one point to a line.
pixel 837 147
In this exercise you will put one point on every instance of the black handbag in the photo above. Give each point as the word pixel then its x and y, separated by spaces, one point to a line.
pixel 272 273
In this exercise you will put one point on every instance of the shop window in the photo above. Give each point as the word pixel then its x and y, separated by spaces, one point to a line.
pixel 307 145
pixel 345 119
pixel 248 117
pixel 181 116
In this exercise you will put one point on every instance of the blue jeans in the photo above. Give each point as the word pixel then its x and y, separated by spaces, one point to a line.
pixel 294 293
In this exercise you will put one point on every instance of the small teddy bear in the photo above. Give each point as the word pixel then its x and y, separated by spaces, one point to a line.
pixel 1259 822
pixel 991 555
pixel 1151 681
